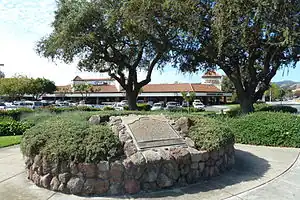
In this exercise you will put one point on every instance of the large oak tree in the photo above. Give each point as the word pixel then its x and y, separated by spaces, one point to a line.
pixel 119 37
pixel 250 40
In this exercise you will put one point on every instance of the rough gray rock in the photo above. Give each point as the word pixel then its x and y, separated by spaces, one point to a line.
pixel 89 170
pixel 36 178
pixel 124 136
pixel 189 142
pixel 45 180
pixel 116 188
pixel 163 181
pixel 182 125
pixel 116 174
pixel 151 173
pixel 75 185
pixel 54 184
pixel 152 157
pixel 135 165
pixel 103 166
pixel 64 177
pixel 170 169
pixel 129 148
pixel 62 188
pixel 28 162
pixel 132 186
pixel 181 155
pixel 201 166
pixel 95 119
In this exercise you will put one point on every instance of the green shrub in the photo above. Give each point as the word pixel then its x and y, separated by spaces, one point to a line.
pixel 107 108
pixel 61 138
pixel 9 127
pixel 285 109
pixel 143 107
pixel 36 117
pixel 262 107
pixel 15 114
pixel 140 107
pixel 267 128
pixel 5 118
pixel 210 134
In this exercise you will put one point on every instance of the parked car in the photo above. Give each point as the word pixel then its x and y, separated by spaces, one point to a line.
pixel 172 105
pixel 196 101
pixel 124 102
pixel 119 106
pixel 199 106
pixel 157 106
pixel 33 104
pixel 2 106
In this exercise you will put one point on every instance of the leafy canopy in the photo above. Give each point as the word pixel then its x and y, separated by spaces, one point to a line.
pixel 120 37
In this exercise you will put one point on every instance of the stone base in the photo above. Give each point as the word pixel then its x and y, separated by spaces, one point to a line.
pixel 149 170
pixel 141 170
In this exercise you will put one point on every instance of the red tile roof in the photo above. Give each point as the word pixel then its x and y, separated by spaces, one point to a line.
pixel 205 88
pixel 77 78
pixel 152 88
pixel 180 87
pixel 95 89
pixel 211 73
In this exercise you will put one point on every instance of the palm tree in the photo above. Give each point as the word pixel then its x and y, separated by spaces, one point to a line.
pixel 188 97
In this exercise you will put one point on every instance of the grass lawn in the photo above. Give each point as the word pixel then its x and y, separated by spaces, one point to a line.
pixel 6 141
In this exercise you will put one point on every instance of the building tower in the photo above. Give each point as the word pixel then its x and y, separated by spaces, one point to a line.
pixel 212 78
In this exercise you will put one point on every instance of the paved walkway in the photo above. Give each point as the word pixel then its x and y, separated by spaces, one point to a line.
pixel 259 173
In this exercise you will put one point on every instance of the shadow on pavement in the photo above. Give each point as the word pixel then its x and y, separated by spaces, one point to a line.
pixel 248 167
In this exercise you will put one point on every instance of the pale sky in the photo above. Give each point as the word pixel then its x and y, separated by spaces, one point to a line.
pixel 24 22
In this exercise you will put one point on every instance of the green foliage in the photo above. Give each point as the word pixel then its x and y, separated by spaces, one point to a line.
pixel 118 36
pixel 275 91
pixel 9 127
pixel 36 117
pixel 143 107
pixel 267 128
pixel 15 114
pixel 107 108
pixel 40 86
pixel 284 109
pixel 83 89
pixel 188 96
pixel 16 87
pixel 210 134
pixel 258 107
pixel 6 141
pixel 62 138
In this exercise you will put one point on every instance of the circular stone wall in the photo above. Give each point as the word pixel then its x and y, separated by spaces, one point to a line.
pixel 140 170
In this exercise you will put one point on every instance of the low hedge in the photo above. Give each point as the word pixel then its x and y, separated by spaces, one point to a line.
pixel 15 114
pixel 266 128
pixel 141 107
pixel 262 107
pixel 285 109
pixel 10 127
pixel 210 134
pixel 61 138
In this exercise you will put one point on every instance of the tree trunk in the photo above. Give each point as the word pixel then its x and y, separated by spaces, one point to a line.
pixel 246 103
pixel 131 98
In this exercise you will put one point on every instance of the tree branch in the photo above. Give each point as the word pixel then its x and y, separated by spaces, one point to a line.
pixel 149 72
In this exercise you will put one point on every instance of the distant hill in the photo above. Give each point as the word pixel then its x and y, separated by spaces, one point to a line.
pixel 292 85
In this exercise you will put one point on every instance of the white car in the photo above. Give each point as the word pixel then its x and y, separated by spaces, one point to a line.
pixel 119 106
pixel 123 102
pixel 2 106
pixel 157 106
pixel 172 105
pixel 199 106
